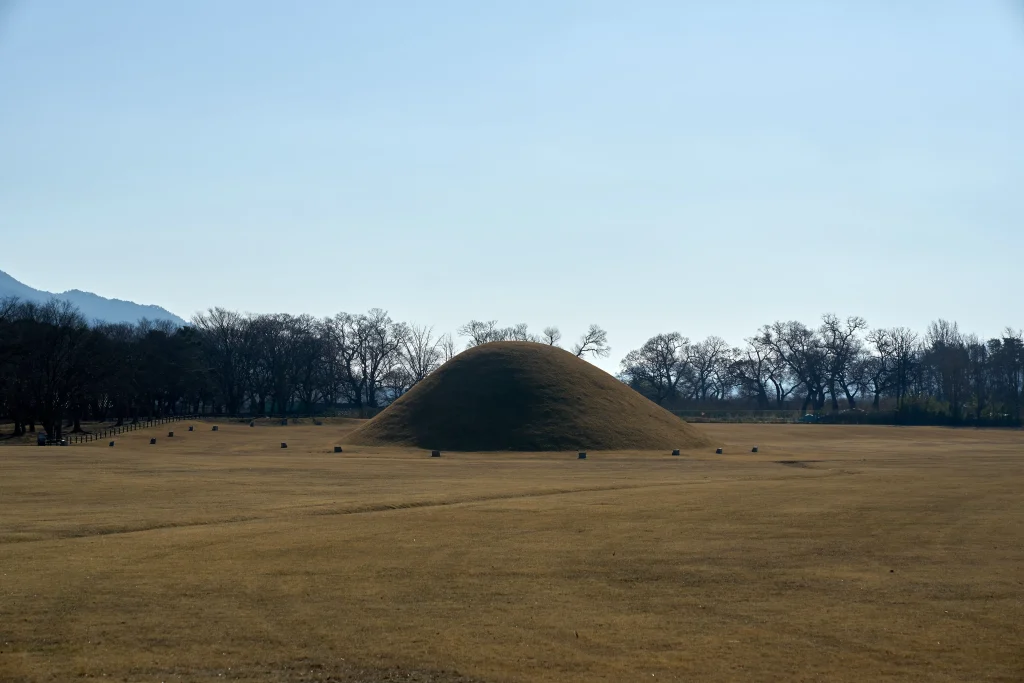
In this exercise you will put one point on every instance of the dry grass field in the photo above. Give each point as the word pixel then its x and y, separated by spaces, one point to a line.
pixel 834 554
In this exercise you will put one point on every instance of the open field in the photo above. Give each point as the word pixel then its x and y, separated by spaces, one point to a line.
pixel 870 553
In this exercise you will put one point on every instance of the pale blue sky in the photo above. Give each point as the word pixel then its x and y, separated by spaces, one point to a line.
pixel 649 166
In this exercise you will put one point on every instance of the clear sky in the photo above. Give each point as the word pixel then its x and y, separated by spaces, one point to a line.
pixel 649 166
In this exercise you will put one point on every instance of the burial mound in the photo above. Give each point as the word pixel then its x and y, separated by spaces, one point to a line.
pixel 524 396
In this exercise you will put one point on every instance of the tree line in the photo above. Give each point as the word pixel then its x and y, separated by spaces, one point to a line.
pixel 57 370
pixel 942 376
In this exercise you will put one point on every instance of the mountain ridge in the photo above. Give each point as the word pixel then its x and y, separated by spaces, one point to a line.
pixel 93 306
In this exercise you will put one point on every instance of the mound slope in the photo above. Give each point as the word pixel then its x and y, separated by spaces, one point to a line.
pixel 526 397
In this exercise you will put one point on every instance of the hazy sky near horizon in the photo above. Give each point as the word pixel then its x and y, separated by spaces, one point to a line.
pixel 650 166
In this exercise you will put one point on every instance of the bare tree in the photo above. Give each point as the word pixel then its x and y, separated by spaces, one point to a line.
pixel 484 332
pixel 61 342
pixel 9 307
pixel 346 376
pixel 979 378
pixel 378 349
pixel 724 383
pixel 594 342
pixel 273 360
pixel 879 365
pixel 904 358
pixel 801 350
pixel 421 352
pixel 1006 360
pixel 308 351
pixel 946 358
pixel 224 335
pixel 332 369
pixel 656 368
pixel 447 346
pixel 551 336
pixel 479 332
pixel 517 332
pixel 705 360
pixel 843 351
pixel 752 370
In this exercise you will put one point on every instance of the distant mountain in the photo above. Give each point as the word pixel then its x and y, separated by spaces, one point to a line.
pixel 92 306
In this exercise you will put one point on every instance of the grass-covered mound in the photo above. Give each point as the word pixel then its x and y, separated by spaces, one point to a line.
pixel 526 397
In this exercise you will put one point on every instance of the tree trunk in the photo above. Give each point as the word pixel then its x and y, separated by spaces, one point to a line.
pixel 850 400
pixel 762 399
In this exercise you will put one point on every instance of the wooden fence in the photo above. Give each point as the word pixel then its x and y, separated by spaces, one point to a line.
pixel 108 432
